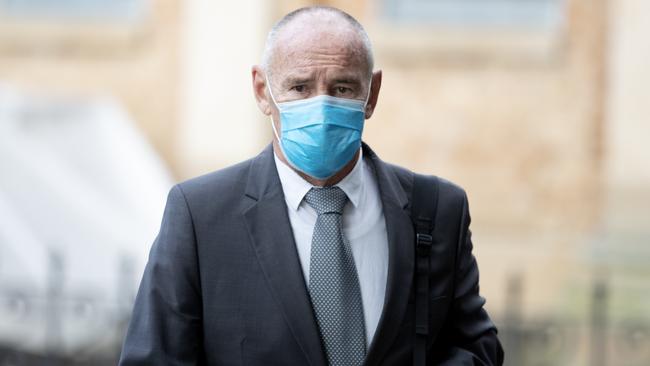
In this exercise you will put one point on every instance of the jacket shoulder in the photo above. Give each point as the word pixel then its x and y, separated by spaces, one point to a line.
pixel 448 190
pixel 216 185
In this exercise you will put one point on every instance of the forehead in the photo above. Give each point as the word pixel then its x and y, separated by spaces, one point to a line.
pixel 313 43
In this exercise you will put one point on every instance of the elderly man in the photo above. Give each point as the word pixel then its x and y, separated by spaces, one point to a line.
pixel 306 254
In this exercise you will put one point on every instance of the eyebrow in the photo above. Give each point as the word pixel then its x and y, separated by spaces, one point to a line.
pixel 347 80
pixel 302 79
pixel 294 80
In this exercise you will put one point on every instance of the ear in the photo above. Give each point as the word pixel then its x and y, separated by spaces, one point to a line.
pixel 374 93
pixel 259 89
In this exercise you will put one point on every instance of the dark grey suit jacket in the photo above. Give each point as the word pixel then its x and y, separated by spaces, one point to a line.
pixel 224 286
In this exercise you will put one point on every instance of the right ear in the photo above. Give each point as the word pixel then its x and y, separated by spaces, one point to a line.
pixel 259 89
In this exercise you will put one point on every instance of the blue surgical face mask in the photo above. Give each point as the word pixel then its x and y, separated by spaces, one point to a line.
pixel 320 135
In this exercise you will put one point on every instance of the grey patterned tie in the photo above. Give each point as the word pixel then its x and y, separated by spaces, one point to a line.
pixel 333 282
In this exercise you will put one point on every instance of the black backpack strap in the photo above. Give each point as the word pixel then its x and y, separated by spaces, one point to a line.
pixel 423 214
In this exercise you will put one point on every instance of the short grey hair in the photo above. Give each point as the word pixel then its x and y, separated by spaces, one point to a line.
pixel 269 46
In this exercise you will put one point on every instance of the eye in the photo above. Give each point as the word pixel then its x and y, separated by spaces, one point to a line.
pixel 298 88
pixel 343 90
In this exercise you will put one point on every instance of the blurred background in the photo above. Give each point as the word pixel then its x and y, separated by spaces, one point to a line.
pixel 538 108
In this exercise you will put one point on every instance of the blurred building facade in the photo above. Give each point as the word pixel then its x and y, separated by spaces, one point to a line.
pixel 538 110
pixel 126 48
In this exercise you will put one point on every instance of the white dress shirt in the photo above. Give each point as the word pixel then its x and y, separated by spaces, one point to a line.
pixel 364 228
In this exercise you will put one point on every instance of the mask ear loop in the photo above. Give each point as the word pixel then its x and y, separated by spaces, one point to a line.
pixel 268 85
pixel 275 132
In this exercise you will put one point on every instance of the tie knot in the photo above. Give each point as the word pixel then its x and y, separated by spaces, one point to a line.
pixel 326 200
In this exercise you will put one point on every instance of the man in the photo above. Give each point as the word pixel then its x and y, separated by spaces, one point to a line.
pixel 304 255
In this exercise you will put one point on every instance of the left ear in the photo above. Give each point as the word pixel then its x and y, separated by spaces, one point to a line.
pixel 374 93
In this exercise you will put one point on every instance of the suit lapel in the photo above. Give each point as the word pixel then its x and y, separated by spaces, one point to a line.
pixel 401 258
pixel 270 231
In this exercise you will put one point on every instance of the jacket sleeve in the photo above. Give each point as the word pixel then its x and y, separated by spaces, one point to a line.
pixel 165 327
pixel 470 337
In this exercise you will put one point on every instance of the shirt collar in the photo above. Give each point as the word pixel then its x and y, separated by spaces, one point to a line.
pixel 295 187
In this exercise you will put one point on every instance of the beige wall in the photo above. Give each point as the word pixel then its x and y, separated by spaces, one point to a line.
pixel 220 121
pixel 627 164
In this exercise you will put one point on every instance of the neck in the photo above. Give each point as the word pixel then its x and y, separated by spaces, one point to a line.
pixel 314 181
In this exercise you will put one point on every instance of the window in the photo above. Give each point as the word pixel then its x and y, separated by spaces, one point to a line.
pixel 79 10
pixel 523 32
pixel 546 14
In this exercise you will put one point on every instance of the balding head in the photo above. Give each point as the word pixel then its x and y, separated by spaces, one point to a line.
pixel 313 25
